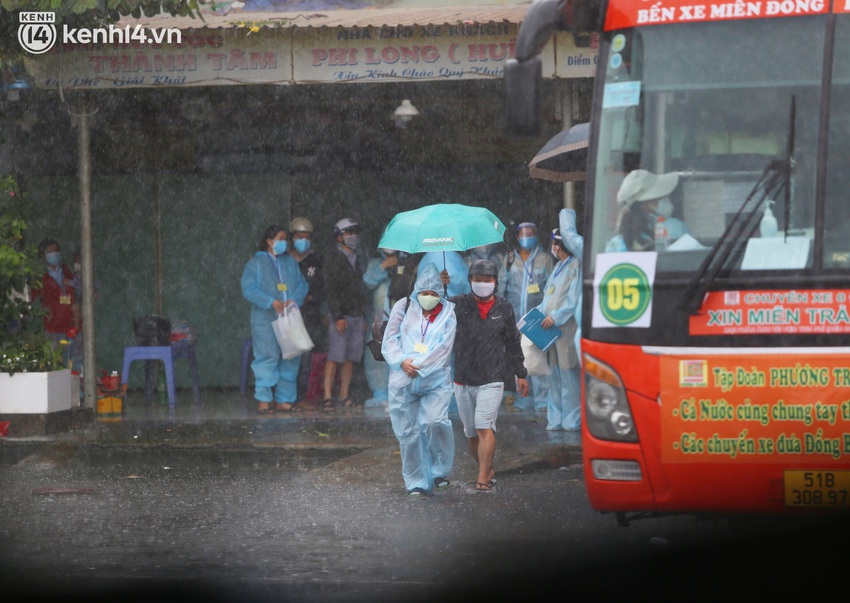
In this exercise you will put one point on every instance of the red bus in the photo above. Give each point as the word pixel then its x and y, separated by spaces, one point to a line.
pixel 716 268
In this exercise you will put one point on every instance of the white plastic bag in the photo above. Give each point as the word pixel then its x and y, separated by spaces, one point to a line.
pixel 535 358
pixel 292 336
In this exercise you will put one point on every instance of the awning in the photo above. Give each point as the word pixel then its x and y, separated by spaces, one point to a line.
pixel 308 47
pixel 377 17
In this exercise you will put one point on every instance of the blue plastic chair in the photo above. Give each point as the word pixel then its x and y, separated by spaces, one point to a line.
pixel 185 349
pixel 151 352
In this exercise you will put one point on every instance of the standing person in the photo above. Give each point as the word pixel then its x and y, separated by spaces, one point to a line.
pixel 390 278
pixel 453 268
pixel 402 276
pixel 272 281
pixel 377 280
pixel 487 346
pixel 524 273
pixel 347 300
pixel 560 305
pixel 418 345
pixel 301 250
pixel 63 317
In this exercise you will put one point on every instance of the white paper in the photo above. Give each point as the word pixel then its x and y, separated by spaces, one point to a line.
pixel 776 253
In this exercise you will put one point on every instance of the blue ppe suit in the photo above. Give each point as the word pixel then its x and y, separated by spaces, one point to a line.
pixel 377 373
pixel 419 406
pixel 260 285
pixel 455 265
pixel 515 282
pixel 574 243
pixel 560 301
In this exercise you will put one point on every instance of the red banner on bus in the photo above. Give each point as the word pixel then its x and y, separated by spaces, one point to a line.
pixel 633 13
pixel 755 409
pixel 772 312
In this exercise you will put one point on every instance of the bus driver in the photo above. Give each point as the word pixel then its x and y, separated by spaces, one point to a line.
pixel 642 197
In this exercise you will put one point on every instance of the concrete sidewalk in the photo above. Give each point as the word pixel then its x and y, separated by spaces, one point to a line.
pixel 226 428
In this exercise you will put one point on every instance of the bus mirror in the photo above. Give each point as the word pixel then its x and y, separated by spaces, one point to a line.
pixel 522 96
pixel 545 16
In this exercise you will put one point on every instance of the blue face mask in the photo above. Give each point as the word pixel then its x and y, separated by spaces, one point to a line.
pixel 301 245
pixel 54 258
pixel 279 247
pixel 527 242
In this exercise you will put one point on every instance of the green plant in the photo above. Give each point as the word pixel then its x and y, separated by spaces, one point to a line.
pixel 23 345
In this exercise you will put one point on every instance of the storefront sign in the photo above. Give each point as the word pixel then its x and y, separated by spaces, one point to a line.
pixel 755 409
pixel 773 313
pixel 303 56
pixel 631 13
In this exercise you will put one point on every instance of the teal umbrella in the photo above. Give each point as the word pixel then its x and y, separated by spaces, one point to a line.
pixel 442 227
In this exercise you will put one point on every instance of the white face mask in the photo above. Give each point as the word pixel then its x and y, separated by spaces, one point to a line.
pixel 483 290
pixel 665 207
pixel 428 302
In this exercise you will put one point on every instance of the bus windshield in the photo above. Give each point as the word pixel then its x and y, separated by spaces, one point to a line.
pixel 691 134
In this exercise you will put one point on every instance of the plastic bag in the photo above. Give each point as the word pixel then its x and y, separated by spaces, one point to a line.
pixel 535 358
pixel 292 336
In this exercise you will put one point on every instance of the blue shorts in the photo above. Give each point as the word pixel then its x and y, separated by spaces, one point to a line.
pixel 478 406
pixel 347 346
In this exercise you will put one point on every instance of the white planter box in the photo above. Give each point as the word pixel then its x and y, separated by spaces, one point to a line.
pixel 35 393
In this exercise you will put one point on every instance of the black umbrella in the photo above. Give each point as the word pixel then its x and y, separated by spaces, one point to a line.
pixel 564 157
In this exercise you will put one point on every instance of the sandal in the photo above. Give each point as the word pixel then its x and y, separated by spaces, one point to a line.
pixel 287 407
pixel 482 487
pixel 327 405
pixel 265 411
pixel 349 403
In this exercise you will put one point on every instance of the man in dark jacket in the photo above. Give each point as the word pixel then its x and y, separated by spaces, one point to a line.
pixel 302 250
pixel 347 299
pixel 487 347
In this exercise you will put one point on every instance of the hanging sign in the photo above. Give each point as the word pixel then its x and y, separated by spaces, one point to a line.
pixel 622 289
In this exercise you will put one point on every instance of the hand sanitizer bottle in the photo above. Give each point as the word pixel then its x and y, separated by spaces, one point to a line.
pixel 767 226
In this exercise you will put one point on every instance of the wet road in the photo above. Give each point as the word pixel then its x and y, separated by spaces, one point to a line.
pixel 307 529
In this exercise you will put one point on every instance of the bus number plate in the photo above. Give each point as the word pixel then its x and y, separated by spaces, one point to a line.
pixel 817 488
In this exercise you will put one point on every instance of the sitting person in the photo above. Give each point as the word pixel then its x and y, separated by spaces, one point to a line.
pixel 643 197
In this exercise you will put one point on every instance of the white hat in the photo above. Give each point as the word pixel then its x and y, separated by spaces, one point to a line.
pixel 345 225
pixel 643 185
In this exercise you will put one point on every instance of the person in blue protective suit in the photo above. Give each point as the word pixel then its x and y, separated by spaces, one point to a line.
pixel 453 268
pixel 574 243
pixel 524 273
pixel 560 304
pixel 272 281
pixel 417 346
pixel 377 280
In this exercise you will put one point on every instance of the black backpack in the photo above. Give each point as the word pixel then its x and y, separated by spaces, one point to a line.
pixel 378 329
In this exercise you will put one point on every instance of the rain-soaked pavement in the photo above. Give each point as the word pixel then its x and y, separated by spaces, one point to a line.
pixel 309 507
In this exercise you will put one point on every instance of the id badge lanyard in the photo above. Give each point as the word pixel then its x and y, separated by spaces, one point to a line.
pixel 560 269
pixel 423 330
pixel 281 285
pixel 527 280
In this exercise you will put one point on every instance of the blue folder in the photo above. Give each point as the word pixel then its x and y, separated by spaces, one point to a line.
pixel 529 325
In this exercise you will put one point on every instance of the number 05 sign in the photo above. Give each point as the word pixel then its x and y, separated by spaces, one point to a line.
pixel 622 289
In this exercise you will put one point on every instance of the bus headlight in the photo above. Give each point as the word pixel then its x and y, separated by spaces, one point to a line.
pixel 607 411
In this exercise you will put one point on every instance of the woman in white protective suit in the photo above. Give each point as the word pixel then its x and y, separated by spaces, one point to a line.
pixel 561 306
pixel 418 347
